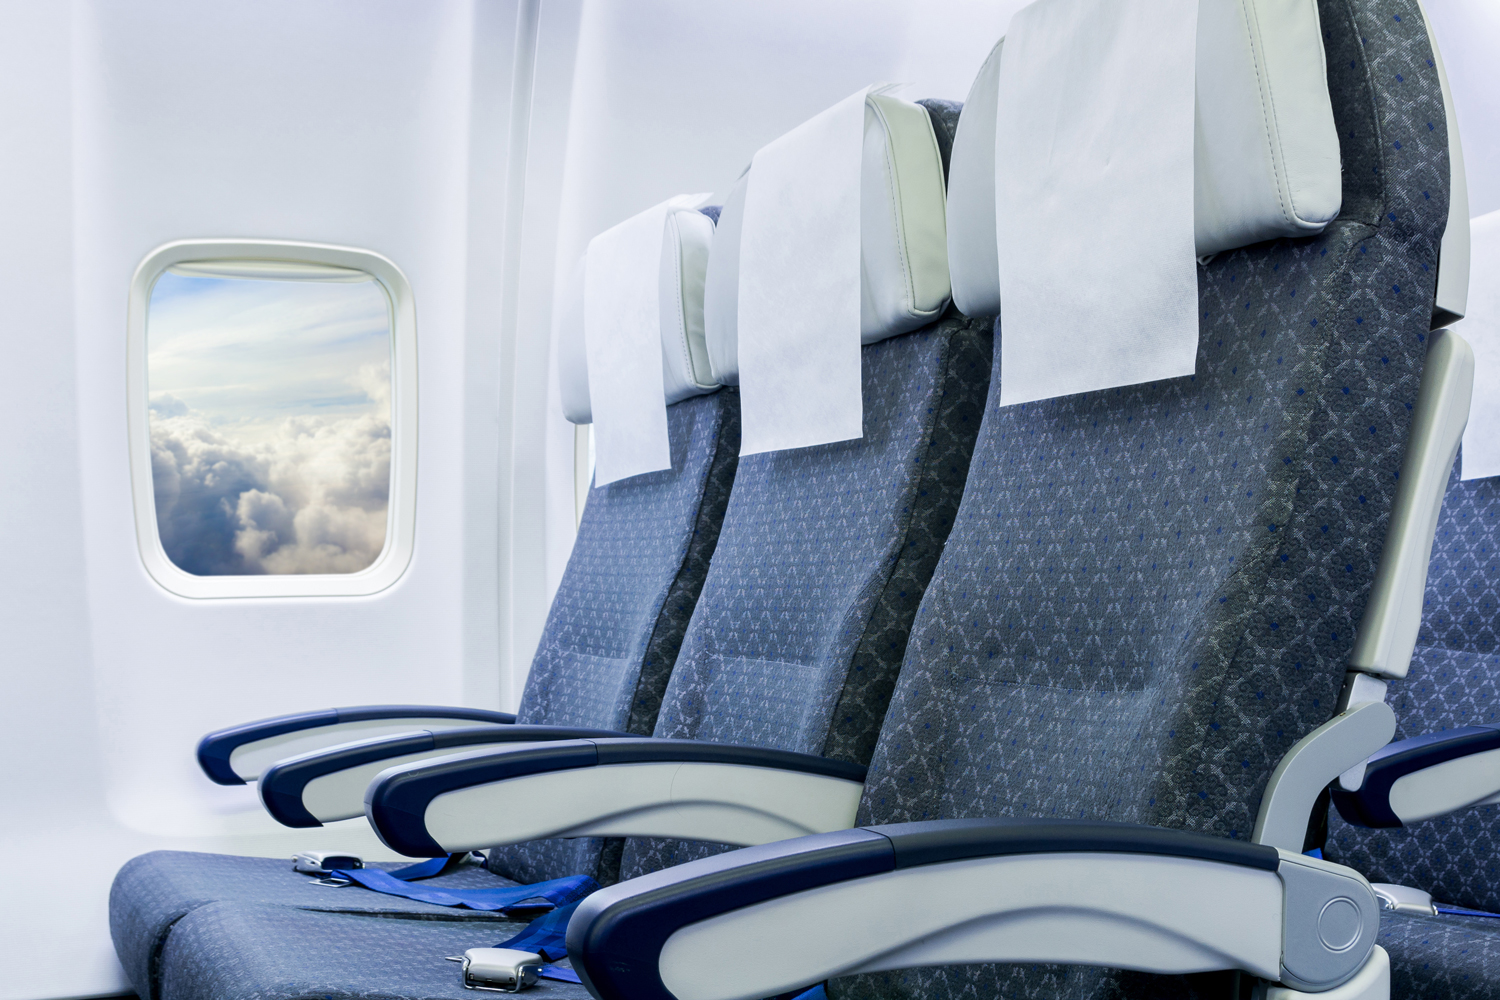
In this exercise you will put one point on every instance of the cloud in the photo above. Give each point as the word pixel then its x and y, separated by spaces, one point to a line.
pixel 309 495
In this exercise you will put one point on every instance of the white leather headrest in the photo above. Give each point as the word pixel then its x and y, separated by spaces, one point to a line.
pixel 1266 150
pixel 572 359
pixel 903 236
pixel 686 241
pixel 684 264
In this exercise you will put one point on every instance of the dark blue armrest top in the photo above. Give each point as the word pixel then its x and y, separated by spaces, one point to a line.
pixel 616 937
pixel 215 748
pixel 1370 804
pixel 281 785
pixel 397 803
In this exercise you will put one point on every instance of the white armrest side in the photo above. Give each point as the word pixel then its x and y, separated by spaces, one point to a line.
pixel 1133 911
pixel 720 803
pixel 1447 787
pixel 250 760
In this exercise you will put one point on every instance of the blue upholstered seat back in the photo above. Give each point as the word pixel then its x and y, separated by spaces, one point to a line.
pixel 637 565
pixel 825 553
pixel 1454 681
pixel 1151 593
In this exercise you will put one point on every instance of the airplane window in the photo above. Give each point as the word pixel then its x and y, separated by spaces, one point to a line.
pixel 273 418
pixel 269 390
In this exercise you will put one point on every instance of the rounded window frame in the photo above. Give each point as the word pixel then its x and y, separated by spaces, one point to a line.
pixel 396 555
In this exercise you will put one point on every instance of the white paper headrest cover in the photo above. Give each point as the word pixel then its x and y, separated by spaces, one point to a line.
pixel 1266 150
pixel 903 236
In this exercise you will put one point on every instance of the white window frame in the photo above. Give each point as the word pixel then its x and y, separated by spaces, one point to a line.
pixel 401 513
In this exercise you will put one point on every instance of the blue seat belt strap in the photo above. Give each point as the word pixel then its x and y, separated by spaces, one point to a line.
pixel 557 892
pixel 426 869
pixel 1462 911
pixel 546 935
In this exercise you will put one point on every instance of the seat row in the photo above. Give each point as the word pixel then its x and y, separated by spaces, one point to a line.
pixel 1044 698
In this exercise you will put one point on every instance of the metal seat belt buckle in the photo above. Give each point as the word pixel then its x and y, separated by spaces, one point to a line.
pixel 499 970
pixel 325 863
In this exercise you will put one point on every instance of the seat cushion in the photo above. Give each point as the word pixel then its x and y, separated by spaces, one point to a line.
pixel 1443 957
pixel 234 951
pixel 152 894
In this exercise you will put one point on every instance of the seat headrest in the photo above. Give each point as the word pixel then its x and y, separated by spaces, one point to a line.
pixel 903 236
pixel 1266 149
pixel 686 372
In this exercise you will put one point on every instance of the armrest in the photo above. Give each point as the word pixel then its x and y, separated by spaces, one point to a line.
pixel 772 919
pixel 327 785
pixel 611 788
pixel 239 754
pixel 1423 777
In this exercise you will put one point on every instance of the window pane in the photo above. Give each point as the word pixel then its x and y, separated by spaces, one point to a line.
pixel 270 399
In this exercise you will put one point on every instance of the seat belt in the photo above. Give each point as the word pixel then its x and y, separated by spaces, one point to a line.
pixel 558 892
pixel 547 936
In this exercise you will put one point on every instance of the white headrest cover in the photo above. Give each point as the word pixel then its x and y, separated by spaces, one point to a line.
pixel 1266 150
pixel 903 236
pixel 686 241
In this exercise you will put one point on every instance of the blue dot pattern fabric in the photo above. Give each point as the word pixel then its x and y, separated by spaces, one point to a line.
pixel 611 638
pixel 824 556
pixel 1441 958
pixel 1454 681
pixel 1151 593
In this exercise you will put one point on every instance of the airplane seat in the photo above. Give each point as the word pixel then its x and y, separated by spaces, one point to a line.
pixel 1135 644
pixel 813 587
pixel 611 638
pixel 825 551
pixel 1089 728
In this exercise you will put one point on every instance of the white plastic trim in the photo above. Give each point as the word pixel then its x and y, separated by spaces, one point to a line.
pixel 1451 303
pixel 401 517
pixel 1372 982
pixel 1388 631
pixel 250 760
pixel 341 794
pixel 1314 761
pixel 1128 911
pixel 722 803
pixel 1446 787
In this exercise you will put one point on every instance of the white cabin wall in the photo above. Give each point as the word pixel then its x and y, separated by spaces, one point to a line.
pixel 384 125
pixel 1468 32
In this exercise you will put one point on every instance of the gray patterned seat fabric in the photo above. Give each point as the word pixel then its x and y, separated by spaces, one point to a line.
pixel 1151 593
pixel 613 633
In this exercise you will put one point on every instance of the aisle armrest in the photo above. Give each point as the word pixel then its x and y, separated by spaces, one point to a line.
pixel 629 787
pixel 772 919
pixel 328 785
pixel 239 754
pixel 1423 777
